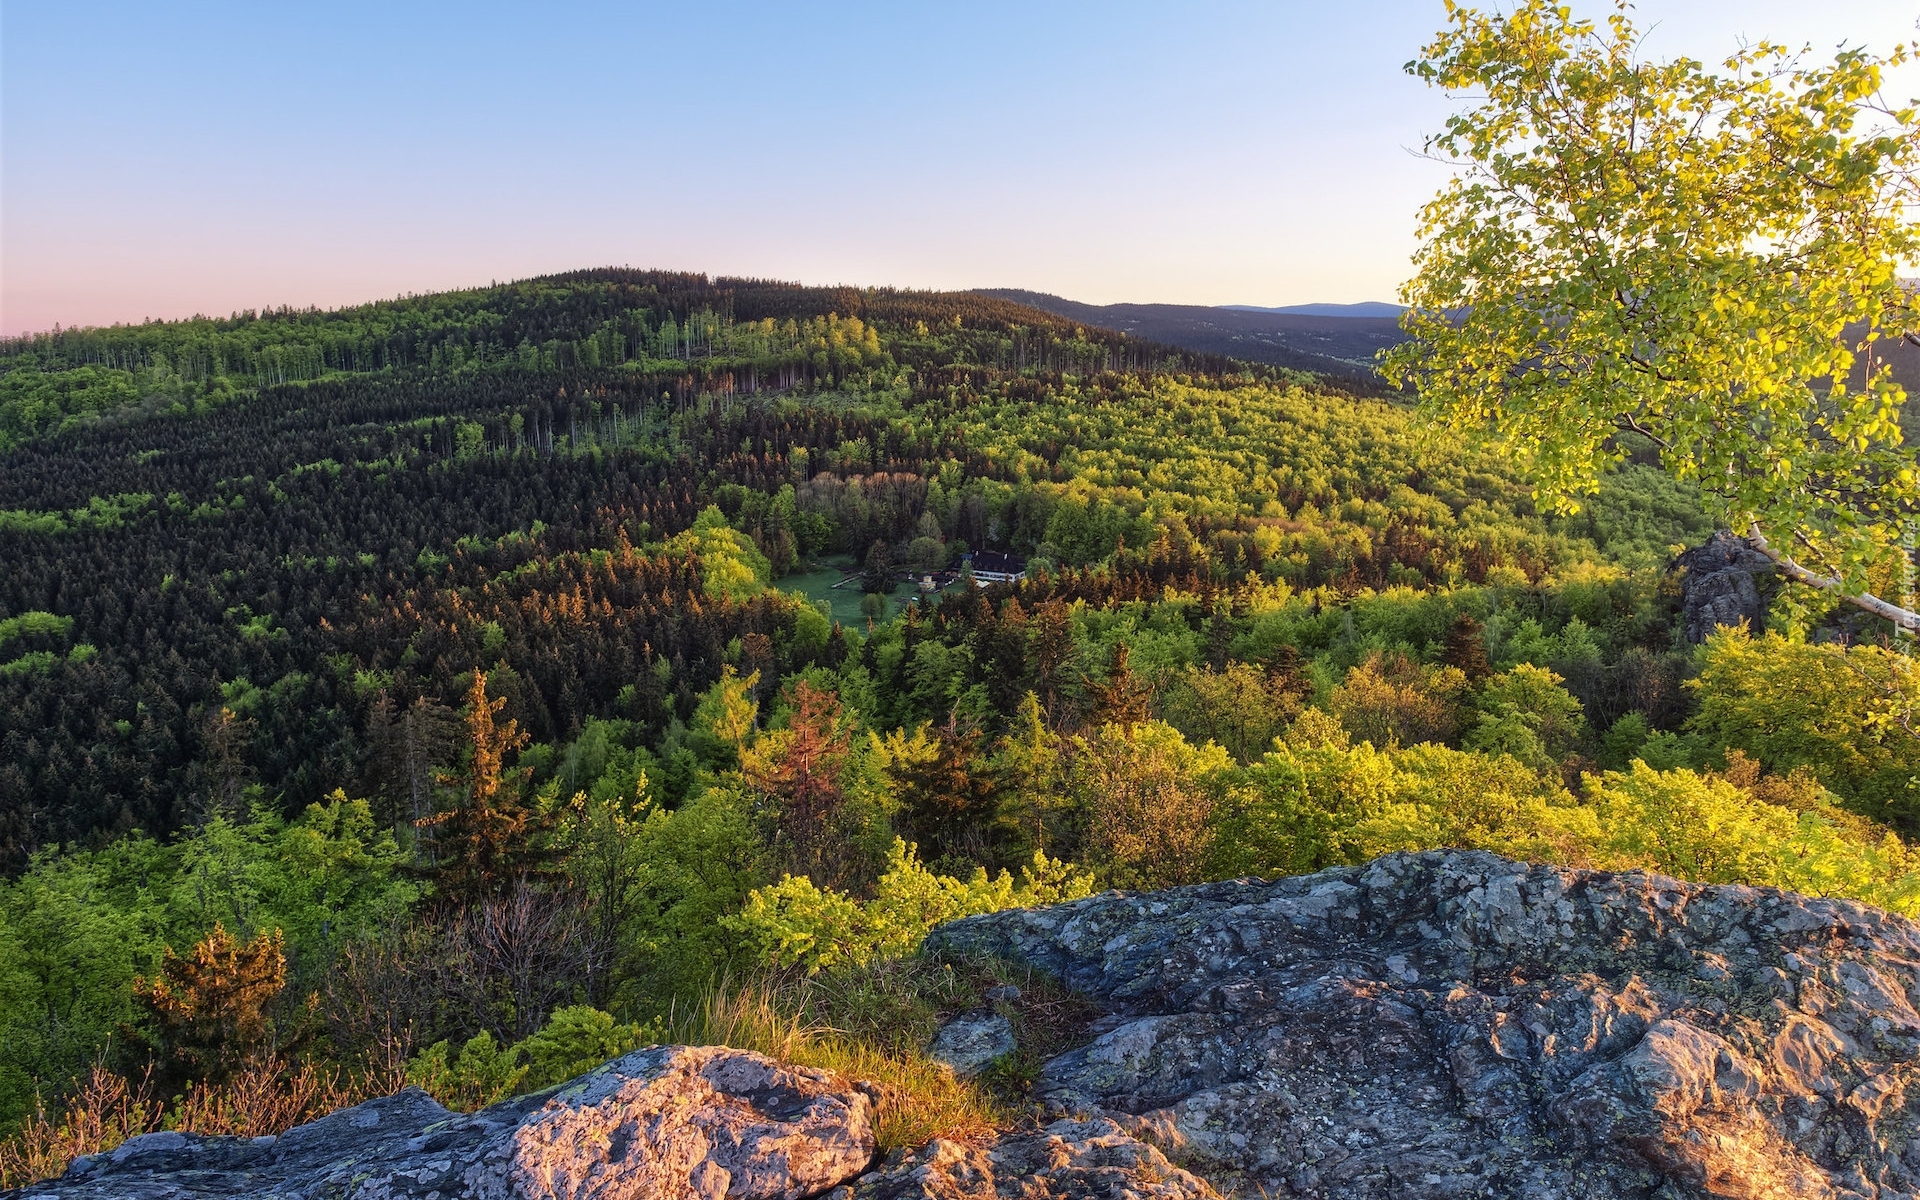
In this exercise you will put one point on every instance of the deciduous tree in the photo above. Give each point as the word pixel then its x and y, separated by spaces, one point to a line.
pixel 1637 249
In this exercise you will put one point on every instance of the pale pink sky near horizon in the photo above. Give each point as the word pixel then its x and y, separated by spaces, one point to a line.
pixel 213 157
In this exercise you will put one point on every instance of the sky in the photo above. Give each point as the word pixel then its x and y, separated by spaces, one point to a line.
pixel 163 160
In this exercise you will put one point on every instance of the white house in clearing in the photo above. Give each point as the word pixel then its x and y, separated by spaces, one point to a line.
pixel 992 567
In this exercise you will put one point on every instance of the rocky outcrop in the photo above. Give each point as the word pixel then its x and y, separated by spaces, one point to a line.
pixel 1723 582
pixel 970 1043
pixel 1448 1024
pixel 1455 1024
pixel 667 1123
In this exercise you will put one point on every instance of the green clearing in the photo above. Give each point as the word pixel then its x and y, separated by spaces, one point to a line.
pixel 844 603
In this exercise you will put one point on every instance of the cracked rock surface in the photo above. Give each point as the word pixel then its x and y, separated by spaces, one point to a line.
pixel 1448 1024
pixel 1453 1024
pixel 1068 1160
pixel 666 1123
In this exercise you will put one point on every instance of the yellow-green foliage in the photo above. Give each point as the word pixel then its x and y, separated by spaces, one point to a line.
pixel 574 1041
pixel 1304 469
pixel 30 623
pixel 101 512
pixel 1849 714
pixel 1395 701
pixel 1147 796
pixel 1318 802
pixel 677 874
pixel 730 564
pixel 1238 706
pixel 1656 246
pixel 795 922
pixel 1705 828
pixel 33 402
pixel 478 1074
pixel 577 1039
pixel 77 928
pixel 1526 713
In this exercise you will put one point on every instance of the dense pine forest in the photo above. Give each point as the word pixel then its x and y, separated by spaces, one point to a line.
pixel 453 689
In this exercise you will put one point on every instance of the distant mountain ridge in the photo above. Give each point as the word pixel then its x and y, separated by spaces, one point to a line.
pixel 1366 308
pixel 1341 347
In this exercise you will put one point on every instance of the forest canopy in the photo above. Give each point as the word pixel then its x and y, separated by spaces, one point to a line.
pixel 452 689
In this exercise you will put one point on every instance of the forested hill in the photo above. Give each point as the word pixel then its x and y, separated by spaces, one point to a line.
pixel 231 551
pixel 714 332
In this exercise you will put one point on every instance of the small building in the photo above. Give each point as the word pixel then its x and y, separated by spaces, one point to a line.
pixel 990 566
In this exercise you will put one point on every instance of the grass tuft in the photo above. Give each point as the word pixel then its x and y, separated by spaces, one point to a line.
pixel 918 1098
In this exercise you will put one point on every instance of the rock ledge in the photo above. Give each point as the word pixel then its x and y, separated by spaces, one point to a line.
pixel 1427 1026
pixel 1454 1024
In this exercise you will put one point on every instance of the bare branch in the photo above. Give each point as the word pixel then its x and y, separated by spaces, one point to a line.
pixel 1629 423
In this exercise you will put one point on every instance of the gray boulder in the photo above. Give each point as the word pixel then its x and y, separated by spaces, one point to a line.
pixel 969 1043
pixel 666 1123
pixel 1454 1024
pixel 1724 581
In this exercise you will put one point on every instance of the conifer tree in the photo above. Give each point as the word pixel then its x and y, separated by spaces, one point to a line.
pixel 210 1009
pixel 491 839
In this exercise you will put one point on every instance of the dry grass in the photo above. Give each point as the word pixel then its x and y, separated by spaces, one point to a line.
pixel 268 1095
pixel 919 1099
pixel 105 1111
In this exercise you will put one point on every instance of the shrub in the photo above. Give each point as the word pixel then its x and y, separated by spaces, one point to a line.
pixel 577 1039
pixel 266 1095
pixel 1525 713
pixel 1240 706
pixel 105 1111
pixel 1847 714
pixel 574 1041
pixel 1707 828
pixel 796 923
pixel 480 1073
pixel 1148 797
pixel 1393 700
pixel 209 1009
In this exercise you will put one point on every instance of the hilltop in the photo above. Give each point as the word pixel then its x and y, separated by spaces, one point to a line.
pixel 279 489
pixel 1363 309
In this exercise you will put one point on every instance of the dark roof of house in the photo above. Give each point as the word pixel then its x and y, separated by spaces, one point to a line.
pixel 997 563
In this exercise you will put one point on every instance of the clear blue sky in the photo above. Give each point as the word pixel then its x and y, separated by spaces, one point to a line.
pixel 162 159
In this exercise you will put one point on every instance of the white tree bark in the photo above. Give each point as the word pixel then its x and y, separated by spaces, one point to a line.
pixel 1903 618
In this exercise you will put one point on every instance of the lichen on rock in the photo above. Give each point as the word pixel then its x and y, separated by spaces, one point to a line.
pixel 1090 1159
pixel 971 1042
